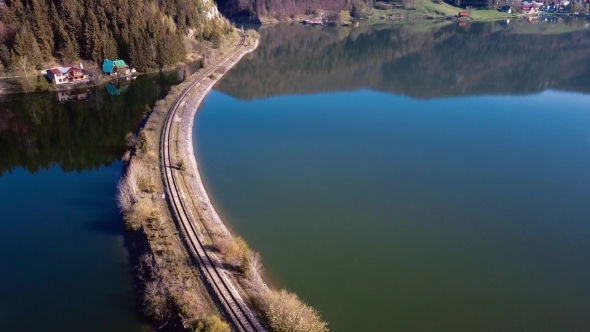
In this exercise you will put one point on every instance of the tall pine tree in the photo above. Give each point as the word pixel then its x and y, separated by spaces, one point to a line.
pixel 41 27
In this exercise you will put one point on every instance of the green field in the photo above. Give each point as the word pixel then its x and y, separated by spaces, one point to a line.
pixel 425 9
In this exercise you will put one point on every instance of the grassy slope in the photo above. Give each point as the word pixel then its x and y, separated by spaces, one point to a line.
pixel 430 9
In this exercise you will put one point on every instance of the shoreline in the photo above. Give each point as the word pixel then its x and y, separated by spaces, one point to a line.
pixel 172 280
pixel 190 203
pixel 229 271
pixel 52 88
pixel 186 147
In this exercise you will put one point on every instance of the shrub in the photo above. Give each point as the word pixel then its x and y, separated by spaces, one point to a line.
pixel 359 10
pixel 141 211
pixel 128 187
pixel 284 312
pixel 576 7
pixel 143 141
pixel 345 18
pixel 235 250
pixel 211 324
pixel 156 300
pixel 131 140
pixel 382 5
pixel 126 195
pixel 253 267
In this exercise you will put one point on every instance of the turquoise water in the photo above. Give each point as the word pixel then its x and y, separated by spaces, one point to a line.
pixel 64 262
pixel 424 207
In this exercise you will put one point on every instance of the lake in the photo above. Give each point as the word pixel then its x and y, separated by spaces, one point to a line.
pixel 65 266
pixel 418 177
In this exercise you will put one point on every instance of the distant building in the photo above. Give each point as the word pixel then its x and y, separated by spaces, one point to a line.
pixel 506 9
pixel 474 3
pixel 526 6
pixel 63 75
pixel 115 67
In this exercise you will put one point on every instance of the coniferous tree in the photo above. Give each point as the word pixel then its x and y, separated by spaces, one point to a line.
pixel 20 42
pixel 41 28
pixel 92 36
pixel 148 33
pixel 4 55
pixel 109 45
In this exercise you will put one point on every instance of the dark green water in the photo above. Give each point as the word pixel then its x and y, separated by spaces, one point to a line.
pixel 403 180
pixel 64 264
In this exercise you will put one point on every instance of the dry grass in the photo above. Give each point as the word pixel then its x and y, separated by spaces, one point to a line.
pixel 172 288
pixel 211 324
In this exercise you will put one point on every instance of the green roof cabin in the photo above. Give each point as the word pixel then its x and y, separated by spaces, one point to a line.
pixel 115 67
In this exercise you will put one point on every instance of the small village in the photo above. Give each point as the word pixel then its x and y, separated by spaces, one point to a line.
pixel 466 10
pixel 71 77
pixel 76 75
pixel 574 7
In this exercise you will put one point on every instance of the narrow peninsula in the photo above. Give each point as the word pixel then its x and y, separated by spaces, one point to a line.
pixel 194 273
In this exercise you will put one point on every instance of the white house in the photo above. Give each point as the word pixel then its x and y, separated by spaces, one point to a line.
pixel 61 75
pixel 58 75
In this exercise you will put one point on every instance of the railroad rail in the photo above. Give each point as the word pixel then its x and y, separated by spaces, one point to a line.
pixel 238 314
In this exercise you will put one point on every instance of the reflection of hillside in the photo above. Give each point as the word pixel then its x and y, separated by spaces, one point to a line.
pixel 484 58
pixel 37 132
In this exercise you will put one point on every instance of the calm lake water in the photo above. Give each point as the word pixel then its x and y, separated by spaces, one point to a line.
pixel 64 264
pixel 409 178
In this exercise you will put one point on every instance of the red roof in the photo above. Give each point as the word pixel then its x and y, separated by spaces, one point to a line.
pixel 74 68
pixel 55 71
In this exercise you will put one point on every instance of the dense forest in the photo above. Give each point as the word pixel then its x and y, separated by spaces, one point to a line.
pixel 482 58
pixel 148 33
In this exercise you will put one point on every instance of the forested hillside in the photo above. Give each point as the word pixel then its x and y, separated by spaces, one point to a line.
pixel 148 33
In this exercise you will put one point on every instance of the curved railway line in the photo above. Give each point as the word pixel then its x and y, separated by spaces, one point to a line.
pixel 238 314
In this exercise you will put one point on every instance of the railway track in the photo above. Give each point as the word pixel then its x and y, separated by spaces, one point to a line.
pixel 237 312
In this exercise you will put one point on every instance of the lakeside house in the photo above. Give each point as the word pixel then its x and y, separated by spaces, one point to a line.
pixel 63 75
pixel 526 6
pixel 115 67
pixel 506 9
